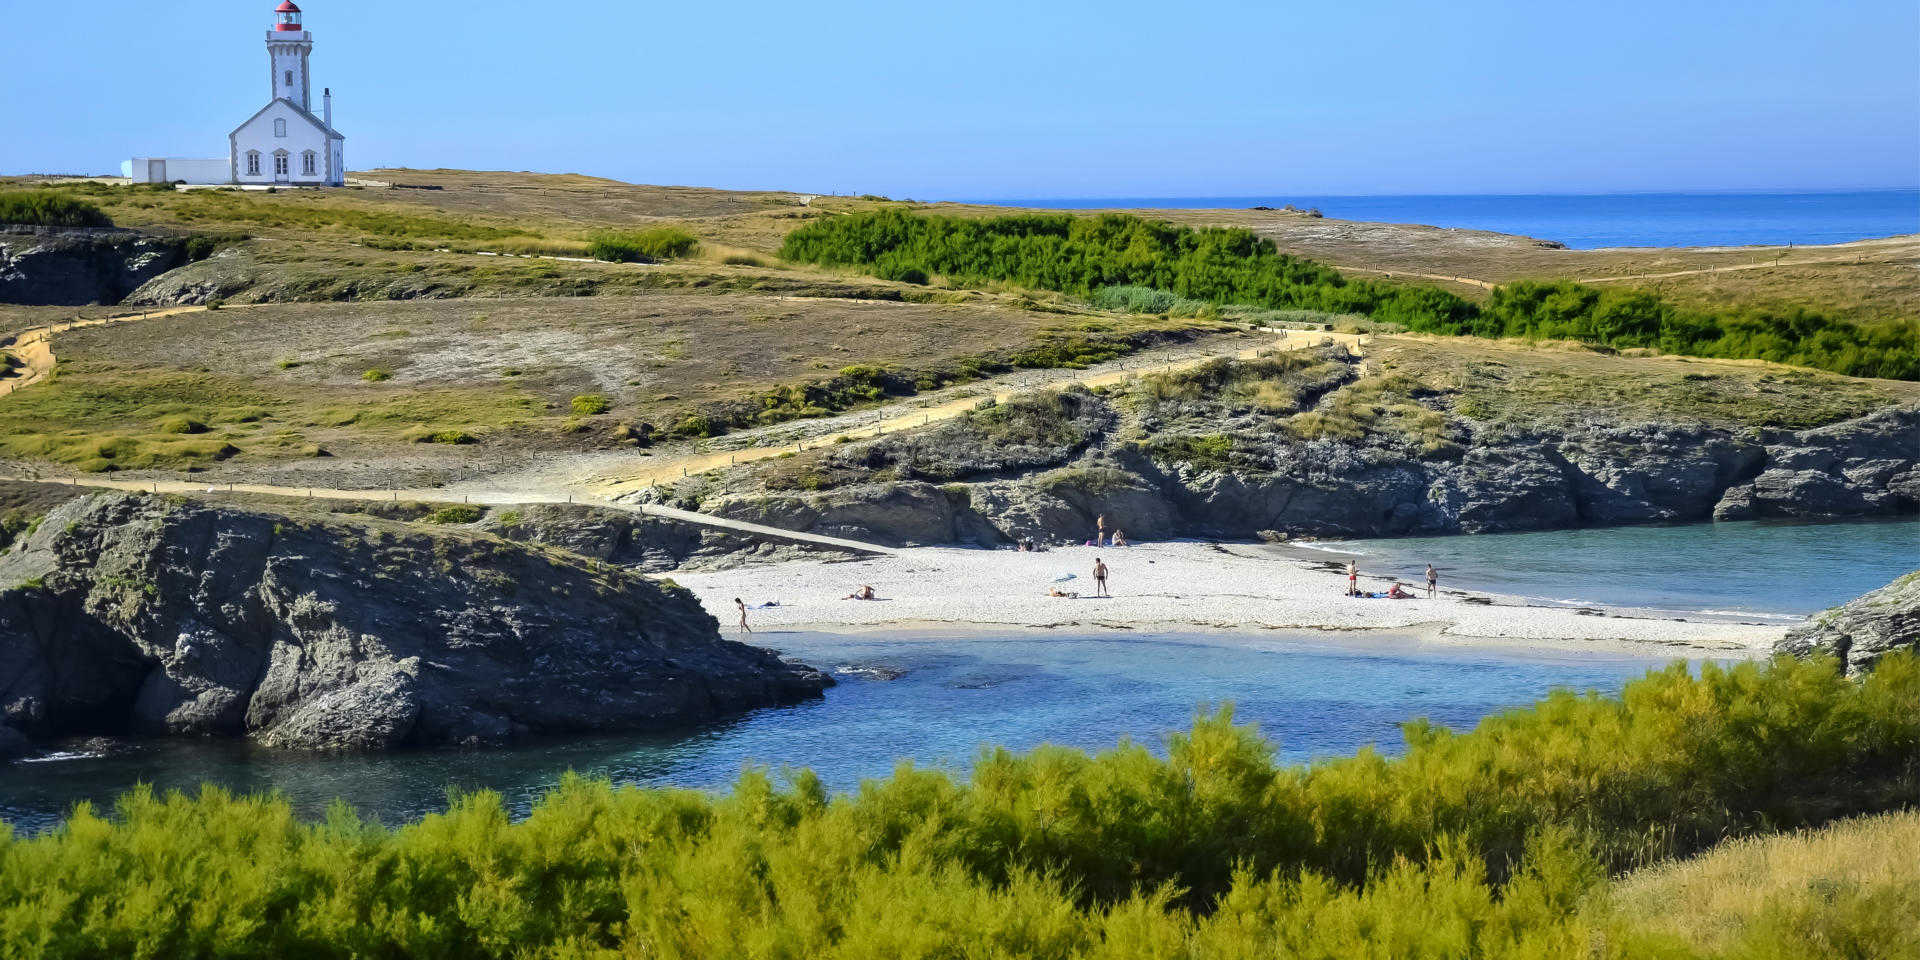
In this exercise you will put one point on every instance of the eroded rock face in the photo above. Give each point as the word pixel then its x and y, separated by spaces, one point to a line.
pixel 45 268
pixel 1642 473
pixel 1861 632
pixel 636 541
pixel 143 615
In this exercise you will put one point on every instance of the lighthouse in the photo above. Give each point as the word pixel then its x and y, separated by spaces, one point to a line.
pixel 285 143
pixel 288 46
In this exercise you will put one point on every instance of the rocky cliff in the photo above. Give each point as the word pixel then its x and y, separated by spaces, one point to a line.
pixel 78 267
pixel 1280 457
pixel 1861 632
pixel 154 616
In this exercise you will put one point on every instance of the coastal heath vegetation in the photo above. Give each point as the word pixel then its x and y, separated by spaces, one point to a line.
pixel 1218 265
pixel 643 246
pixel 1494 843
pixel 45 208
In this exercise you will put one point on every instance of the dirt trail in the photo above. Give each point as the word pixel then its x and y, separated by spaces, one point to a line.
pixel 1888 250
pixel 666 470
pixel 1899 255
pixel 602 488
pixel 34 348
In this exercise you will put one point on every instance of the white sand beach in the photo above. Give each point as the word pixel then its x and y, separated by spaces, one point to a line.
pixel 1174 586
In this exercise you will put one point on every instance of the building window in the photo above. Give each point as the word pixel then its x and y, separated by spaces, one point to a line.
pixel 289 81
pixel 253 163
pixel 280 164
pixel 280 128
pixel 306 163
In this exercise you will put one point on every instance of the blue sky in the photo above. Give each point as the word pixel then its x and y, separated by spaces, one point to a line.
pixel 994 98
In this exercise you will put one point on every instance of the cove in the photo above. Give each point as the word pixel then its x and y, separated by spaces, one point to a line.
pixel 930 698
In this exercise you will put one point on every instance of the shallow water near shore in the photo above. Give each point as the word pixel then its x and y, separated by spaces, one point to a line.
pixel 1764 570
pixel 930 698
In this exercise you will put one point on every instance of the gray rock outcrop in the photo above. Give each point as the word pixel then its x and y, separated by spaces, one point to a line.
pixel 1484 483
pixel 156 616
pixel 1861 632
pixel 639 542
pixel 80 267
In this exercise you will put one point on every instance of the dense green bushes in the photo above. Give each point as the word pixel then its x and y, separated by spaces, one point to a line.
pixel 645 246
pixel 45 208
pixel 1482 844
pixel 1088 255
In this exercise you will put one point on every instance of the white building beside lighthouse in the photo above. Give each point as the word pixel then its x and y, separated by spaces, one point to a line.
pixel 285 143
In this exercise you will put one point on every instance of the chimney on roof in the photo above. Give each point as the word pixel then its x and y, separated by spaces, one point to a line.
pixel 326 100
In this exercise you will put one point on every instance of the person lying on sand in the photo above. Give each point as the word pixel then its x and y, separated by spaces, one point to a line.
pixel 864 593
pixel 1396 593
pixel 1055 592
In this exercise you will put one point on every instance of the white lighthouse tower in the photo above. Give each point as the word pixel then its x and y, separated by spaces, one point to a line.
pixel 288 46
pixel 285 143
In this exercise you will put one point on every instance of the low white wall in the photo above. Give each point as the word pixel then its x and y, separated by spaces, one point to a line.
pixel 192 170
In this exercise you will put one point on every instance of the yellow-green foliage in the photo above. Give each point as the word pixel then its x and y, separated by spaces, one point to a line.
pixel 1490 844
pixel 458 513
pixel 590 404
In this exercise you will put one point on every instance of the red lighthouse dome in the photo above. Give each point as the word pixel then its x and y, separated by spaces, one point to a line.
pixel 287 17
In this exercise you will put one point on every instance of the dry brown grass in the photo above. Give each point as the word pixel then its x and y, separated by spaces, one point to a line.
pixel 1719 899
pixel 1555 385
pixel 273 382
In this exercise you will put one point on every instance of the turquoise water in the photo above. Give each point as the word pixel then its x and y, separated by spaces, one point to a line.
pixel 1590 221
pixel 933 700
pixel 1763 569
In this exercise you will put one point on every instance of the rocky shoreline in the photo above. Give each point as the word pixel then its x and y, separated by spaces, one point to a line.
pixel 1604 475
pixel 154 616
pixel 1861 632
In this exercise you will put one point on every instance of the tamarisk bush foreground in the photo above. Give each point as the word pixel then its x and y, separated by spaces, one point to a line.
pixel 1492 843
pixel 1221 266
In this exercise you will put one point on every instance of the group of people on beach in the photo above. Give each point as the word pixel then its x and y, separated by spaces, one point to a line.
pixel 1394 592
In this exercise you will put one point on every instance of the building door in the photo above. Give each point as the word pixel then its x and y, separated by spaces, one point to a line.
pixel 156 171
pixel 281 168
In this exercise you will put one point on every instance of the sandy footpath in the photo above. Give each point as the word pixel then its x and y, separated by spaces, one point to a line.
pixel 1171 586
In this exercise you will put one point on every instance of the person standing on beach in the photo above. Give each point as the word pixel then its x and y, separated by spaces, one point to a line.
pixel 1100 578
pixel 1433 580
pixel 1353 578
pixel 1100 531
pixel 742 604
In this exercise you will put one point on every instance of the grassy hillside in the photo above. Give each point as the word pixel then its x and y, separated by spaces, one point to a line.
pixel 380 255
pixel 432 378
pixel 1467 846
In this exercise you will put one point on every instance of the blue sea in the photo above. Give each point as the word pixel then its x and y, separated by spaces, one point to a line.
pixel 929 698
pixel 1752 569
pixel 1585 222
pixel 934 698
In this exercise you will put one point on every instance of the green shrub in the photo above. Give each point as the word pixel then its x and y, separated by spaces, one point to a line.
pixel 180 424
pixel 440 435
pixel 591 404
pixel 376 375
pixel 1485 844
pixel 46 208
pixel 645 246
pixel 456 514
pixel 1149 263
